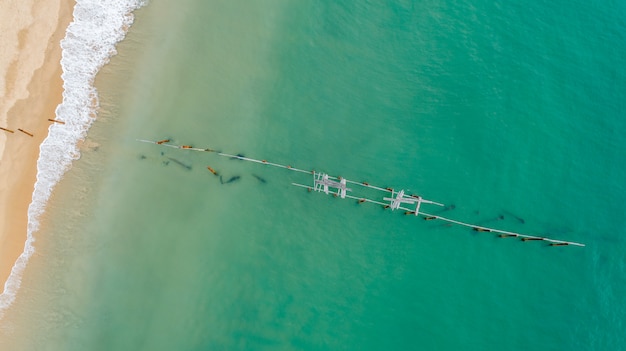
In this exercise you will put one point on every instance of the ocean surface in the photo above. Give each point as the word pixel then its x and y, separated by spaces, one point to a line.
pixel 513 113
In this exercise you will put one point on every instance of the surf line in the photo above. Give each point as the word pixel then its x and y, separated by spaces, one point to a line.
pixel 338 186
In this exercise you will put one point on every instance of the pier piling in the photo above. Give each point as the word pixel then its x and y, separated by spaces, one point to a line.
pixel 324 183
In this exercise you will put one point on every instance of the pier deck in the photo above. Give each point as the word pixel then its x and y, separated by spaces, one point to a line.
pixel 325 183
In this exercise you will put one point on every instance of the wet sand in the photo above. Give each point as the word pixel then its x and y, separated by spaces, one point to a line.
pixel 31 86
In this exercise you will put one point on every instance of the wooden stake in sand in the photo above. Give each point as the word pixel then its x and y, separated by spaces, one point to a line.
pixel 55 121
pixel 7 130
pixel 25 132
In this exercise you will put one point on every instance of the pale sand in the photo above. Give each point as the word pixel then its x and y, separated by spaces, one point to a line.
pixel 30 90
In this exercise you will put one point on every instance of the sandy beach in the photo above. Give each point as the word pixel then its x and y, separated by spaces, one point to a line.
pixel 31 86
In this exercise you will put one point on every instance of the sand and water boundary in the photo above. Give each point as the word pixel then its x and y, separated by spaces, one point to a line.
pixel 30 79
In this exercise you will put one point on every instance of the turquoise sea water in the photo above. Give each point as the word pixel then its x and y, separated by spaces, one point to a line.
pixel 501 109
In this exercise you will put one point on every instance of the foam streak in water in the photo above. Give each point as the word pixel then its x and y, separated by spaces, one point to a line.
pixel 97 26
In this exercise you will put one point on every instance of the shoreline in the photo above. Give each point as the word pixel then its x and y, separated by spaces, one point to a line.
pixel 33 89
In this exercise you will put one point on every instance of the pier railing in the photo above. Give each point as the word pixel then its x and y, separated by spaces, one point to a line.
pixel 397 200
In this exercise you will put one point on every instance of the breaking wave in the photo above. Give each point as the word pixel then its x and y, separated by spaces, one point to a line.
pixel 89 43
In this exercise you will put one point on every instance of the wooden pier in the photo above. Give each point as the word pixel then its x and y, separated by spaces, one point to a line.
pixel 396 200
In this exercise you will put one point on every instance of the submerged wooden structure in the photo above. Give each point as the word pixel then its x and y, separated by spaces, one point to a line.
pixel 395 200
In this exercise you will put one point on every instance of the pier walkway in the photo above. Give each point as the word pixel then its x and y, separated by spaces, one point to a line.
pixel 396 200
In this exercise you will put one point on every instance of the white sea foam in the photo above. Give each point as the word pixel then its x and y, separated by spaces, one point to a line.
pixel 89 42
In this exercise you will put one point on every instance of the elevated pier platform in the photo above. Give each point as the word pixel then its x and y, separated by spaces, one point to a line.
pixel 395 200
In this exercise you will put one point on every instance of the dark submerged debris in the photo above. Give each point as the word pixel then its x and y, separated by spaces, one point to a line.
pixel 232 179
pixel 187 167
pixel 260 179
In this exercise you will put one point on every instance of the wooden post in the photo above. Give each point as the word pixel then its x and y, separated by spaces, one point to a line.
pixel 25 132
